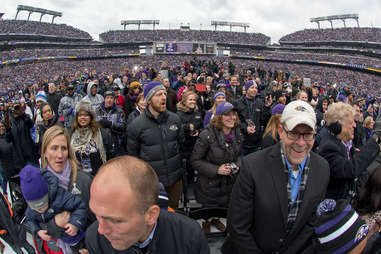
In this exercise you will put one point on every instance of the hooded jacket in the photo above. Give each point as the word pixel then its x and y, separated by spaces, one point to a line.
pixel 66 109
pixel 95 100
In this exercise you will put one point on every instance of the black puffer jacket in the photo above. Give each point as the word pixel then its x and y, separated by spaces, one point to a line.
pixel 189 117
pixel 344 171
pixel 158 142
pixel 259 114
pixel 209 153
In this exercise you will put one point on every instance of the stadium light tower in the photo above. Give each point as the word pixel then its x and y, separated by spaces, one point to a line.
pixel 43 12
pixel 336 17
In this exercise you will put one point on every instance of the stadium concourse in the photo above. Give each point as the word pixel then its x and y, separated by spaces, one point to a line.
pixel 53 75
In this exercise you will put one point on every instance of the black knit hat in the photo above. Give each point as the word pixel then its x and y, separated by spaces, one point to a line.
pixel 339 228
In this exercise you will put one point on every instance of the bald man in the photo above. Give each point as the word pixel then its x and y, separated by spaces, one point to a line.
pixel 129 219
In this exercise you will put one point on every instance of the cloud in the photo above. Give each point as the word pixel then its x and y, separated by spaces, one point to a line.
pixel 274 18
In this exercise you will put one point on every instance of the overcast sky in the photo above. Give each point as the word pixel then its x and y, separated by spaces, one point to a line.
pixel 273 18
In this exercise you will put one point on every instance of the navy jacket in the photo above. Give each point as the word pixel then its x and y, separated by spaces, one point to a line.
pixel 59 200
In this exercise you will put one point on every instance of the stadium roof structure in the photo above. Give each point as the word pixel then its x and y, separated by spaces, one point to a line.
pixel 31 9
pixel 124 23
pixel 336 17
pixel 231 24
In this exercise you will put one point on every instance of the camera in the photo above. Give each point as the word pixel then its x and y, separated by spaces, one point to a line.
pixel 234 168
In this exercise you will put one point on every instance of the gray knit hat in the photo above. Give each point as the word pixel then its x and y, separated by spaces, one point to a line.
pixel 85 105
pixel 151 88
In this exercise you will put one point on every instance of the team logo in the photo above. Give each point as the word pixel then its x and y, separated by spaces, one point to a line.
pixel 362 233
pixel 300 108
pixel 173 127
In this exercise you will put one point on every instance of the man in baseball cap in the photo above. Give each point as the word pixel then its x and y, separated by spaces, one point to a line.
pixel 287 181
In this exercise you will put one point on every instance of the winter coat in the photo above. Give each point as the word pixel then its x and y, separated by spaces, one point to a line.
pixel 59 200
pixel 41 128
pixel 6 158
pixel 129 103
pixel 209 153
pixel 24 149
pixel 95 100
pixel 174 233
pixel 66 109
pixel 189 117
pixel 158 141
pixel 112 135
pixel 259 114
pixel 344 171
pixel 131 117
pixel 54 101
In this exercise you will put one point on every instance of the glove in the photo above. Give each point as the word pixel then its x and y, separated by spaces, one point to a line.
pixel 105 123
pixel 71 111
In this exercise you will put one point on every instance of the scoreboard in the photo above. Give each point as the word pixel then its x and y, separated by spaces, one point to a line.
pixel 184 48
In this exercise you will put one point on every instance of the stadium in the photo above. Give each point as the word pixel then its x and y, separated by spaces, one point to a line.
pixel 37 53
pixel 331 55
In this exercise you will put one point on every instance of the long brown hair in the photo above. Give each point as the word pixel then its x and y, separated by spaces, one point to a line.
pixel 216 122
pixel 48 137
pixel 93 124
pixel 272 126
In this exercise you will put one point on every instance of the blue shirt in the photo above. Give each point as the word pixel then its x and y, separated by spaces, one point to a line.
pixel 295 181
pixel 147 241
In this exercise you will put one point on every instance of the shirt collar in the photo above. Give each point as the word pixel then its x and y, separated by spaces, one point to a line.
pixel 148 240
pixel 300 166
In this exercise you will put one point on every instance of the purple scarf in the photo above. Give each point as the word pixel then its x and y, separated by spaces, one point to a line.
pixel 63 177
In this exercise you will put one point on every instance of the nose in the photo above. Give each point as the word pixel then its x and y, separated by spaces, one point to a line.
pixel 300 141
pixel 103 227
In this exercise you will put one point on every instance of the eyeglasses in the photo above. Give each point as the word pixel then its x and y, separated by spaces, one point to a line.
pixel 295 136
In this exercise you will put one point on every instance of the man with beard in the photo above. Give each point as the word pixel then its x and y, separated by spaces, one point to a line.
pixel 274 199
pixel 111 118
pixel 156 137
pixel 66 109
pixel 95 99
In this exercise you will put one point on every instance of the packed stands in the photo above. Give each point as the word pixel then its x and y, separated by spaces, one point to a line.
pixel 41 28
pixel 185 35
pixel 363 34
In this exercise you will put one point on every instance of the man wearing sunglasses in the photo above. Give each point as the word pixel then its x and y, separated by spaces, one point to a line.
pixel 275 197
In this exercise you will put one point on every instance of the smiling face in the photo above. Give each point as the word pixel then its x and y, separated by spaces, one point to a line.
pixel 56 153
pixel 83 119
pixel 348 126
pixel 296 150
pixel 229 119
pixel 190 102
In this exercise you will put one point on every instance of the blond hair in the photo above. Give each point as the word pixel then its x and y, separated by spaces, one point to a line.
pixel 48 137
pixel 337 112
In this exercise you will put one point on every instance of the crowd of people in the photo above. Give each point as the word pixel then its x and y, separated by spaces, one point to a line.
pixel 184 35
pixel 86 52
pixel 364 34
pixel 32 74
pixel 42 28
pixel 103 159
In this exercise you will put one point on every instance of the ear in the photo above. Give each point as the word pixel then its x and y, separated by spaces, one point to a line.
pixel 152 214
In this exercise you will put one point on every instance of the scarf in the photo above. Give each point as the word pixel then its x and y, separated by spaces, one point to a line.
pixel 82 136
pixel 63 177
pixel 133 97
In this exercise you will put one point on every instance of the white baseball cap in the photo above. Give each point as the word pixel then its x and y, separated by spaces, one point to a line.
pixel 298 112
